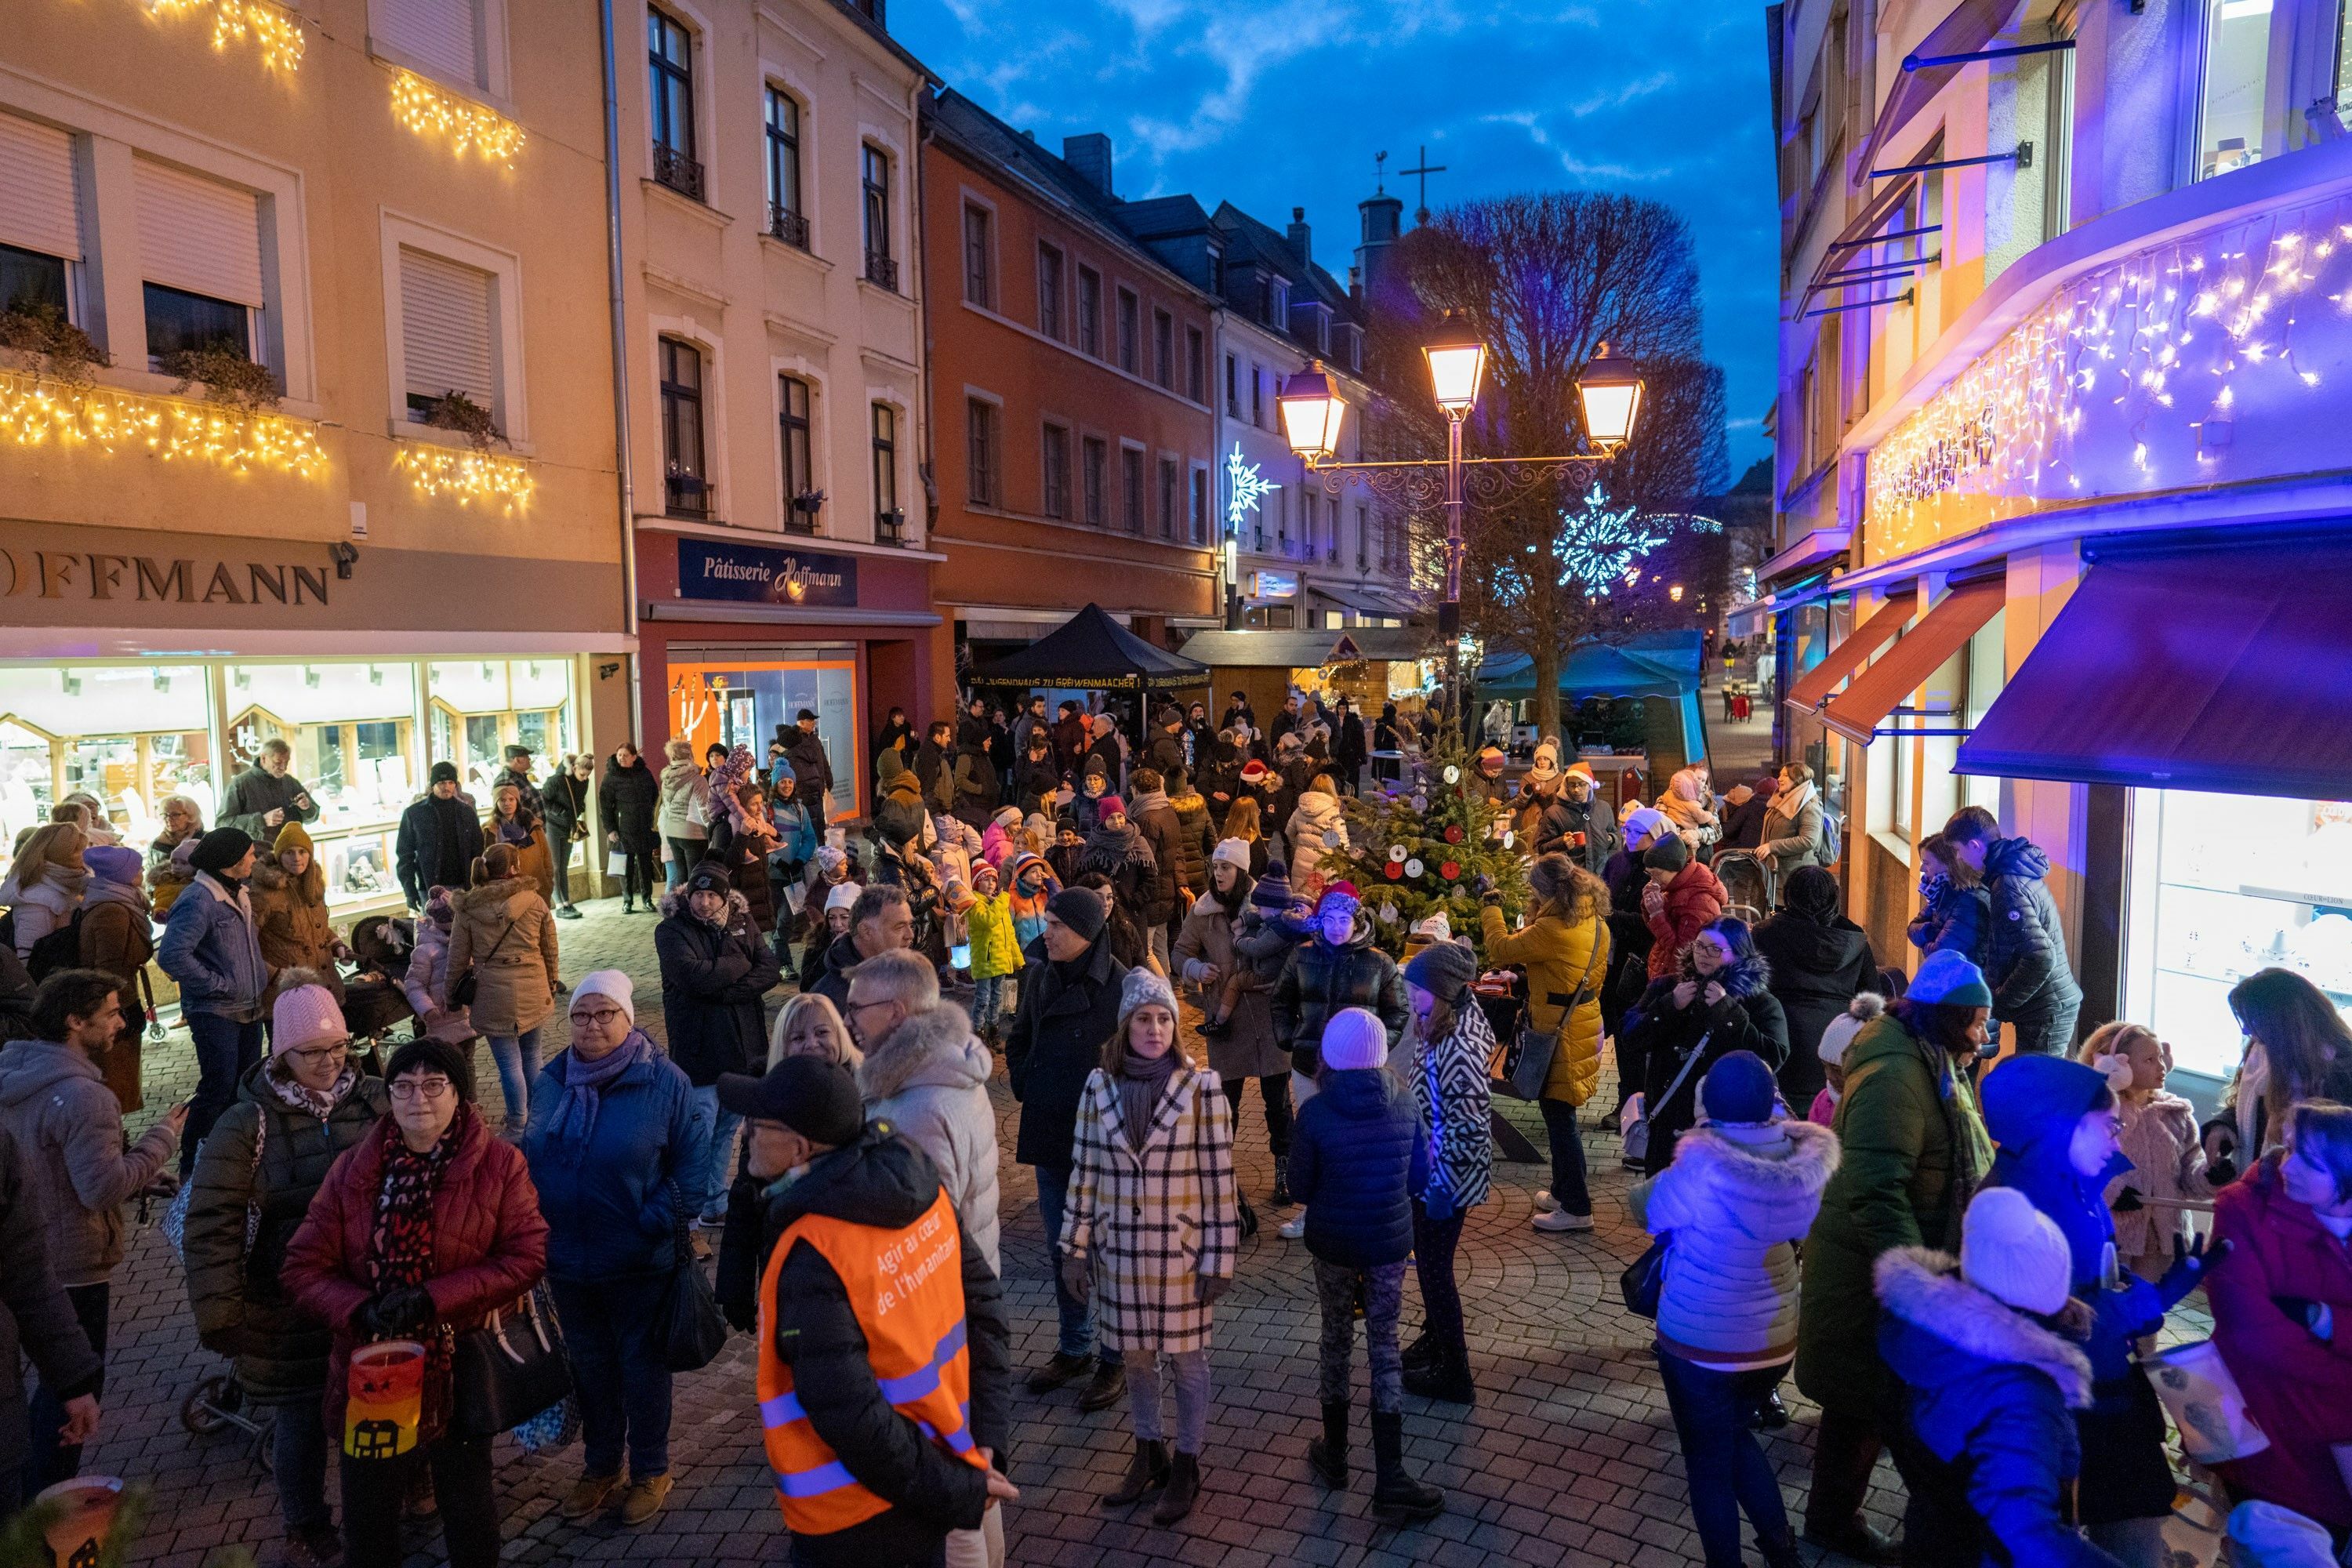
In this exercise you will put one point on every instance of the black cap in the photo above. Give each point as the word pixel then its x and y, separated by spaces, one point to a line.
pixel 1081 910
pixel 1668 853
pixel 710 876
pixel 814 1098
pixel 802 714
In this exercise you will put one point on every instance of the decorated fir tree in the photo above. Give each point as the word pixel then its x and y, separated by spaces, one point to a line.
pixel 1430 846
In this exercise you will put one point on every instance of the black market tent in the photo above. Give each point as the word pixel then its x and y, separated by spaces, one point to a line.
pixel 1091 649
pixel 1311 649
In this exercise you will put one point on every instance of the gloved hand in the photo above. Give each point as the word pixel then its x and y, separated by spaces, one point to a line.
pixel 404 1309
pixel 1077 1278
pixel 368 1321
pixel 2188 1267
pixel 1207 1288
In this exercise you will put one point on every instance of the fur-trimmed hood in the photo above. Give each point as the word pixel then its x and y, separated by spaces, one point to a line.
pixel 930 1051
pixel 1923 1289
pixel 1749 976
pixel 1756 1183
pixel 498 895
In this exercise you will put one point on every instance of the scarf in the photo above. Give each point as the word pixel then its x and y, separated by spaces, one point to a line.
pixel 301 1098
pixel 585 1082
pixel 1113 847
pixel 1140 1079
pixel 1971 1147
pixel 514 831
pixel 403 1209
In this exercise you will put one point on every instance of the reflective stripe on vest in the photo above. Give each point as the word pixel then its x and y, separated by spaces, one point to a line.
pixel 906 1289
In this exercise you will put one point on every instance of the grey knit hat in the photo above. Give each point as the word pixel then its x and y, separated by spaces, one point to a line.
pixel 1140 989
pixel 1443 969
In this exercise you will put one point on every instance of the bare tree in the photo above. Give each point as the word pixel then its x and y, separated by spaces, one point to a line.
pixel 1544 281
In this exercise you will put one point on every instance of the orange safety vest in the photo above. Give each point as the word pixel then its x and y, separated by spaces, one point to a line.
pixel 906 1288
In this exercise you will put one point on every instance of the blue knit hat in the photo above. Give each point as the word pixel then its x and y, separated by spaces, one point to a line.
pixel 1738 1088
pixel 1949 978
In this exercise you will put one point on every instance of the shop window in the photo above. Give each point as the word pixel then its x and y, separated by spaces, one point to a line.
pixel 739 696
pixel 480 707
pixel 2234 97
pixel 130 735
pixel 1090 313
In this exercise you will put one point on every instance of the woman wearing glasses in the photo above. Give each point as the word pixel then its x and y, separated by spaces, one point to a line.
pixel 265 1159
pixel 421 1229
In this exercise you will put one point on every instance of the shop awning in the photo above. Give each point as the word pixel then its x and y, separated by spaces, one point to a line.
pixel 1858 710
pixel 1809 550
pixel 1842 660
pixel 1092 650
pixel 2219 670
pixel 1967 28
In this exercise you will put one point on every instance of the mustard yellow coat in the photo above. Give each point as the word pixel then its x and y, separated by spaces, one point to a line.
pixel 1555 955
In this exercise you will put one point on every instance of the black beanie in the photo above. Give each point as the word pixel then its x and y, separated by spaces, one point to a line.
pixel 444 770
pixel 1081 910
pixel 1668 853
pixel 218 850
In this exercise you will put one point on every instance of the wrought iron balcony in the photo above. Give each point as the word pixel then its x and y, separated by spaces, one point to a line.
pixel 881 271
pixel 790 226
pixel 679 173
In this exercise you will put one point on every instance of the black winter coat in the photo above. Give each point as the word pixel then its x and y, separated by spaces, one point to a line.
pixel 1195 839
pixel 712 981
pixel 1816 969
pixel 1662 1037
pixel 1165 755
pixel 37 1321
pixel 1220 782
pixel 1318 980
pixel 1065 1013
pixel 1564 823
pixel 812 769
pixel 563 803
pixel 2025 957
pixel 1958 919
pixel 1164 831
pixel 747 869
pixel 628 799
pixel 1130 863
pixel 435 846
pixel 1034 780
pixel 1356 1155
pixel 840 956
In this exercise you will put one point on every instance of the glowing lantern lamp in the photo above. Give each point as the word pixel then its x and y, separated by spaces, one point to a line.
pixel 1611 392
pixel 1312 411
pixel 1457 362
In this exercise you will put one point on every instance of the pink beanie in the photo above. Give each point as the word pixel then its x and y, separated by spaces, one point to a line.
pixel 306 1014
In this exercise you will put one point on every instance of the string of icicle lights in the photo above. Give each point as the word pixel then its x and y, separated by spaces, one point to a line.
pixel 466 476
pixel 2133 378
pixel 35 413
pixel 277 31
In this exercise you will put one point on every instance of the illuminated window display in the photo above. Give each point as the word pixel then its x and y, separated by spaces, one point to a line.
pixel 482 706
pixel 740 695
pixel 2223 884
pixel 130 735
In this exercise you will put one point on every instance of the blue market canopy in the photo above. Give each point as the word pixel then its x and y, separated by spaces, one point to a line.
pixel 1658 664
pixel 1092 650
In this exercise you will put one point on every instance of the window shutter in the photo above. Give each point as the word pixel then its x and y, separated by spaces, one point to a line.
pixel 198 235
pixel 37 209
pixel 439 33
pixel 445 316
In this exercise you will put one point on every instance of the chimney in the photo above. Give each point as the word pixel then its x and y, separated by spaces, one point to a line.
pixel 1299 237
pixel 1088 157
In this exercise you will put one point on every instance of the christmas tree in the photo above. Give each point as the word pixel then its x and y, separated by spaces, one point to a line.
pixel 1427 845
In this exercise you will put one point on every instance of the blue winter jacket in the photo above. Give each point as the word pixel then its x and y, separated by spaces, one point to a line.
pixel 1987 1394
pixel 1356 1155
pixel 612 1205
pixel 796 832
pixel 210 947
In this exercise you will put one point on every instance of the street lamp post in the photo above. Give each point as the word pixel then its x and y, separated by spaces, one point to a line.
pixel 1313 413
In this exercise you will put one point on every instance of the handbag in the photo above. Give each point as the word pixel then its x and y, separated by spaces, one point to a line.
pixel 1645 1279
pixel 463 990
pixel 1636 1129
pixel 1528 1064
pixel 509 1370
pixel 696 1330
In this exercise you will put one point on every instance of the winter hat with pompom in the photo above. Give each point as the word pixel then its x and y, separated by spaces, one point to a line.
pixel 2014 1253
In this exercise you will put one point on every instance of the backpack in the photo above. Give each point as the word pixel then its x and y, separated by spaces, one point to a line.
pixel 1830 848
pixel 61 949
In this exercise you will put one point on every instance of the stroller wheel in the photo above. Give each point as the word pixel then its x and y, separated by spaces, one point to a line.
pixel 203 1411
pixel 155 1031
pixel 264 1450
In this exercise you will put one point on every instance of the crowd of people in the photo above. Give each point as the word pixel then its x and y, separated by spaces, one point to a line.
pixel 1905 1185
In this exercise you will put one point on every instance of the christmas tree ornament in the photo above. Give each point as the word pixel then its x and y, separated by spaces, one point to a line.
pixel 1450 870
pixel 1396 853
pixel 1507 836
pixel 1387 914
pixel 1395 870
pixel 1454 833
pixel 1453 774
pixel 1412 867
pixel 1421 802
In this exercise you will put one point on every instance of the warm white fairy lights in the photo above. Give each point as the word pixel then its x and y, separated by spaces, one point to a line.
pixel 36 412
pixel 465 476
pixel 465 125
pixel 276 30
pixel 2127 381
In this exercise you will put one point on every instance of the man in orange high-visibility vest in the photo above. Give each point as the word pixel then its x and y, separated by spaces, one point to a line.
pixel 885 1373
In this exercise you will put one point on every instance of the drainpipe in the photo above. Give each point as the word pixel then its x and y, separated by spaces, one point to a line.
pixel 615 286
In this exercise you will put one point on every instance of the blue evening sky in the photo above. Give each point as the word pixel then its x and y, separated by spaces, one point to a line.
pixel 1284 103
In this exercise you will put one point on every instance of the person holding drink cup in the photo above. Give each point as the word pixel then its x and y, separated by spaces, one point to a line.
pixel 420 1231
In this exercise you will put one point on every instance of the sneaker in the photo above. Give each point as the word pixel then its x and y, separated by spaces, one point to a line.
pixel 1561 1219
pixel 1545 1202
pixel 716 1217
pixel 644 1499
pixel 568 913
pixel 588 1496
pixel 1295 1226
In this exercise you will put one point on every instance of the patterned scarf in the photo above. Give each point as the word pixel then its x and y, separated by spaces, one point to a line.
pixel 298 1097
pixel 1140 1079
pixel 403 1209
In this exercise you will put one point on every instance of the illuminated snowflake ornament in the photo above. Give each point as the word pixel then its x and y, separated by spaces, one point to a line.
pixel 1598 544
pixel 1243 489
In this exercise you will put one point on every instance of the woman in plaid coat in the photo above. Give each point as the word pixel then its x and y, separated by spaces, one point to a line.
pixel 1150 1228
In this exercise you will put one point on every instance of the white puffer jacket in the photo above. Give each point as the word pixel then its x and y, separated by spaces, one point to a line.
pixel 1734 1200
pixel 930 1078
pixel 1316 830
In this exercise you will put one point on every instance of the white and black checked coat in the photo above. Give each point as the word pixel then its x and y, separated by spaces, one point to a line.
pixel 1154 1223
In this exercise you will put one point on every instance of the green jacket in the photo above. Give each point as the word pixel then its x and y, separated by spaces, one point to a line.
pixel 241 1310
pixel 1896 1187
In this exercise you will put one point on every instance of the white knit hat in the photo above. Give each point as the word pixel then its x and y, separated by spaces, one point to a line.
pixel 1354 1037
pixel 1230 852
pixel 1008 816
pixel 2014 1253
pixel 843 896
pixel 613 985
pixel 1837 1037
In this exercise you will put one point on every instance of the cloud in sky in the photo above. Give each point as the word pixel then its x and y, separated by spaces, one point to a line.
pixel 1285 104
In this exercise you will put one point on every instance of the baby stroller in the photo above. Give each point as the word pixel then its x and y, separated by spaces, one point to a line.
pixel 1747 886
pixel 217 1403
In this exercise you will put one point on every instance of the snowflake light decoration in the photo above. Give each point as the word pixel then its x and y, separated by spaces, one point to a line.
pixel 1598 545
pixel 1243 489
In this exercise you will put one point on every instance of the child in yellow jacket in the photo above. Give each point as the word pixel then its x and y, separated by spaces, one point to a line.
pixel 995 948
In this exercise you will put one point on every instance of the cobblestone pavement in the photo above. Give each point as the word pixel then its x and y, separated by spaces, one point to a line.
pixel 1568 1456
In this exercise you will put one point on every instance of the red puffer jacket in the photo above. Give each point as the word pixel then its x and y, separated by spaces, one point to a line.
pixel 2298 1387
pixel 490 1246
pixel 1694 900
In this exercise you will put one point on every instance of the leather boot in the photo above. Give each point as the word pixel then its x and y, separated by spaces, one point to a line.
pixel 1146 1474
pixel 1445 1379
pixel 1183 1487
pixel 1780 1554
pixel 1421 1353
pixel 1398 1497
pixel 1327 1455
pixel 1281 1195
pixel 1108 1386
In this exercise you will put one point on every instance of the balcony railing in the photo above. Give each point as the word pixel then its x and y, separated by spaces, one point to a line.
pixel 790 226
pixel 801 524
pixel 685 494
pixel 881 271
pixel 679 173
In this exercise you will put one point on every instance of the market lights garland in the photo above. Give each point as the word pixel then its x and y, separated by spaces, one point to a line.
pixel 276 29
pixel 466 476
pixel 35 412
pixel 467 126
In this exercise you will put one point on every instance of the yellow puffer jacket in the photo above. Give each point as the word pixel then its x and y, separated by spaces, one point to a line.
pixel 995 945
pixel 1556 956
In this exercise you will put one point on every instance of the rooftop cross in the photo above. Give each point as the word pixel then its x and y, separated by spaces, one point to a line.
pixel 1420 211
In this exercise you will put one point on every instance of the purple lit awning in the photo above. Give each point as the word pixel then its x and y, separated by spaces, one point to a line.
pixel 1970 25
pixel 2223 670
